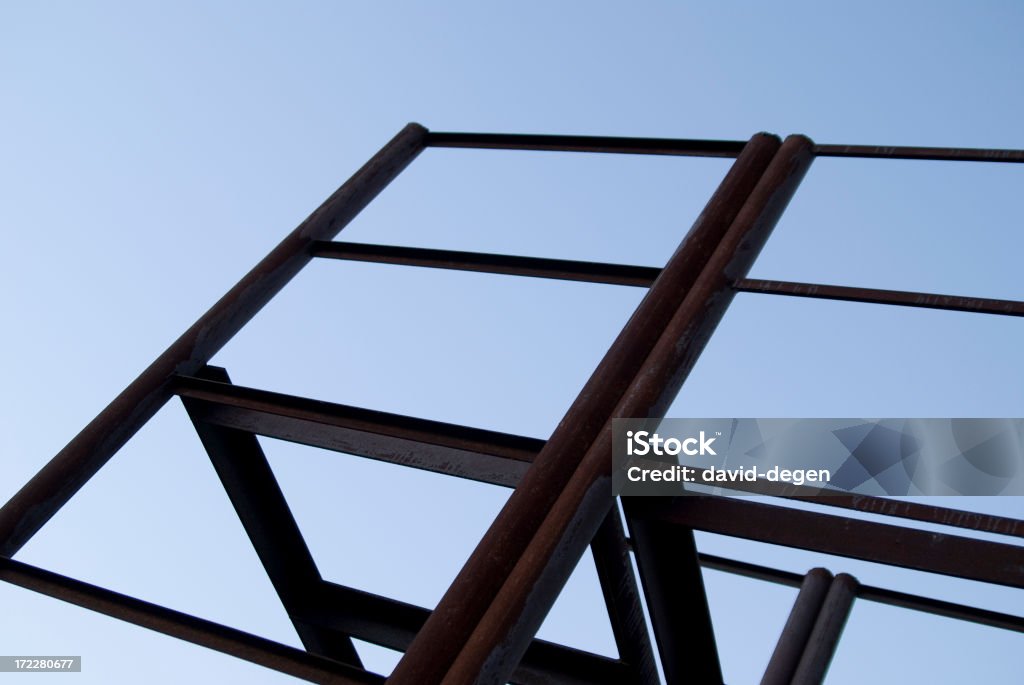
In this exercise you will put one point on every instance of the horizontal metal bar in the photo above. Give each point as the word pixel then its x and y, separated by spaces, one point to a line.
pixel 870 593
pixel 470 452
pixel 562 269
pixel 953 154
pixel 884 506
pixel 393 624
pixel 901 298
pixel 633 146
pixel 198 631
pixel 911 548
pixel 473 453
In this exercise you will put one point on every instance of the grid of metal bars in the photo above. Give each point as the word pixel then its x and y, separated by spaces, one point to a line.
pixel 483 629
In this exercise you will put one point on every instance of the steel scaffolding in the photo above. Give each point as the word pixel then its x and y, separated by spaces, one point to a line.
pixel 483 629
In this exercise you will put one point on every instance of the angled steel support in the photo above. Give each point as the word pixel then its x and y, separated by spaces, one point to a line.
pixel 245 474
pixel 674 586
pixel 622 597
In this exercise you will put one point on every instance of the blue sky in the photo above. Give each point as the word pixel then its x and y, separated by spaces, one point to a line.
pixel 155 151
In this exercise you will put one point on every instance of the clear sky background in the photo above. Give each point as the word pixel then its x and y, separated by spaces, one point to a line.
pixel 153 152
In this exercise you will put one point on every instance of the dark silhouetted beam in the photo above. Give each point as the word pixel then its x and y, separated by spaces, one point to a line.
pixel 561 269
pixel 249 482
pixel 921 550
pixel 666 558
pixel 951 154
pixel 901 298
pixel 633 146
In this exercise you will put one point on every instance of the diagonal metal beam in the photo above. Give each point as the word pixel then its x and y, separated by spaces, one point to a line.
pixel 472 594
pixel 32 506
pixel 249 482
pixel 538 576
pixel 674 587
pixel 614 565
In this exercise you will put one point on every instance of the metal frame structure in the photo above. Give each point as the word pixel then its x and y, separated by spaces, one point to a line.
pixel 483 629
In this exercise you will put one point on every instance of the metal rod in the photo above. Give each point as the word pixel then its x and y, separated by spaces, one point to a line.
pixel 249 482
pixel 951 555
pixel 821 645
pixel 953 154
pixel 561 269
pixel 797 631
pixel 47 491
pixel 633 146
pixel 870 593
pixel 198 631
pixel 519 608
pixel 451 624
pixel 901 298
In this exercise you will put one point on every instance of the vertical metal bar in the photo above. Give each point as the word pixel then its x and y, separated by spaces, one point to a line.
pixel 670 571
pixel 249 482
pixel 47 491
pixel 828 627
pixel 452 622
pixel 517 610
pixel 622 597
pixel 797 630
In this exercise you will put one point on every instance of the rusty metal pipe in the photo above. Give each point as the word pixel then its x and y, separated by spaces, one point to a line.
pixel 798 628
pixel 821 645
pixel 452 622
pixel 518 609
